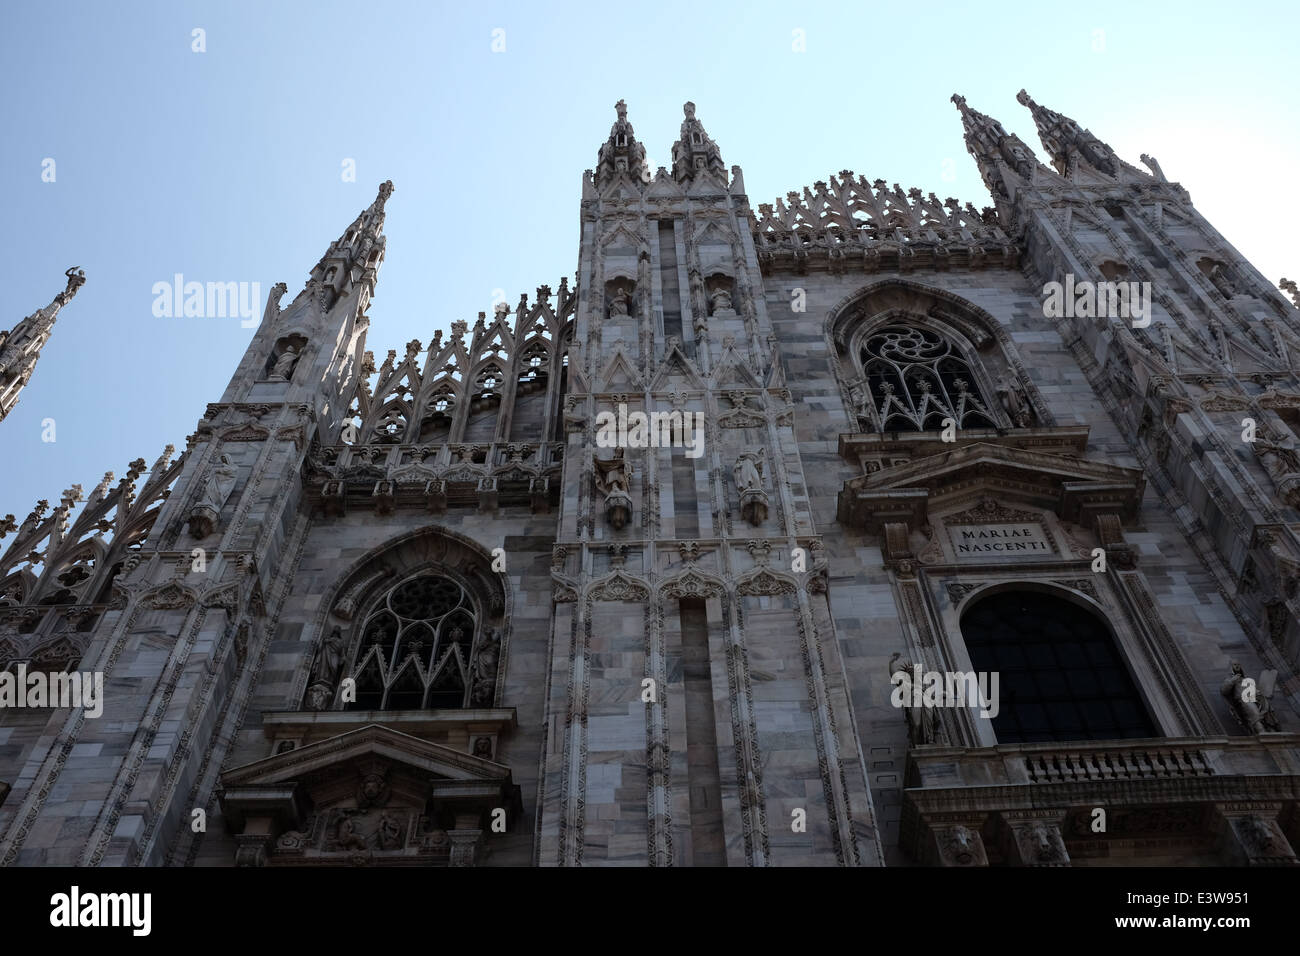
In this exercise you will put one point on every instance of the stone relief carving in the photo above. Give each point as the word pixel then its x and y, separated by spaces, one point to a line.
pixel 612 482
pixel 203 518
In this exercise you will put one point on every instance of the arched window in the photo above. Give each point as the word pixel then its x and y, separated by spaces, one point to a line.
pixel 416 642
pixel 1060 674
pixel 915 379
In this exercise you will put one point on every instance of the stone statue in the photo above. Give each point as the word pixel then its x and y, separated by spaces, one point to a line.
pixel 483 674
pixel 1219 277
pixel 325 671
pixel 76 279
pixel 618 304
pixel 748 475
pixel 221 482
pixel 699 304
pixel 1014 402
pixel 721 299
pixel 1280 457
pixel 283 368
pixel 612 482
pixel 748 471
pixel 1249 702
pixel 922 726
pixel 611 475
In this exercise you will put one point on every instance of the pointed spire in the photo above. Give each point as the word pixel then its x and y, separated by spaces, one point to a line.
pixel 357 254
pixel 621 152
pixel 694 152
pixel 21 346
pixel 1062 136
pixel 994 149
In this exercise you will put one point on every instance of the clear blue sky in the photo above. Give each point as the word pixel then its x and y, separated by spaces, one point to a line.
pixel 225 165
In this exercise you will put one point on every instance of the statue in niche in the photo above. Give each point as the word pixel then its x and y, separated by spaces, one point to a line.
pixel 483 674
pixel 721 300
pixel 1219 276
pixel 1015 402
pixel 748 475
pixel 1249 701
pixel 612 482
pixel 748 471
pixel 284 364
pixel 699 303
pixel 221 482
pixel 619 303
pixel 325 671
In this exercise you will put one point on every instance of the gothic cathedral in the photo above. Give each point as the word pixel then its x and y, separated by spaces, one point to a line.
pixel 859 528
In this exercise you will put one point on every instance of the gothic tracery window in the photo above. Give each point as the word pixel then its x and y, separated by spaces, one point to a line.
pixel 916 378
pixel 415 647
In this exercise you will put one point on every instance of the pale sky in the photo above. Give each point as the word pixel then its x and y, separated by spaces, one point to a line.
pixel 225 165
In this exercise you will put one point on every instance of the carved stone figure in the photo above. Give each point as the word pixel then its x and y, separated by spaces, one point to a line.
pixel 922 725
pixel 699 304
pixel 619 302
pixel 721 300
pixel 1249 702
pixel 1280 456
pixel 1015 402
pixel 348 837
pixel 483 673
pixel 612 482
pixel 390 832
pixel 283 368
pixel 325 671
pixel 221 482
pixel 747 472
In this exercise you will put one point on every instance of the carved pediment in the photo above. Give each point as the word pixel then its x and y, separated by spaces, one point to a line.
pixel 1073 488
pixel 371 795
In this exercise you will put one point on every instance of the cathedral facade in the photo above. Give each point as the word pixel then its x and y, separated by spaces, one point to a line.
pixel 859 528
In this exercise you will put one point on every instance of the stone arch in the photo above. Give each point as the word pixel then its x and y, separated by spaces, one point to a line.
pixel 1078 685
pixel 985 344
pixel 434 550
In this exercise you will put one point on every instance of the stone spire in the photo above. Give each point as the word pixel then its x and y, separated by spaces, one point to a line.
pixel 1063 137
pixel 21 346
pixel 621 152
pixel 997 153
pixel 694 151
pixel 357 254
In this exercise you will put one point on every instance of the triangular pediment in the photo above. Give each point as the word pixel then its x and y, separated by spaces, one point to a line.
pixel 619 375
pixel 1073 488
pixel 371 742
pixel 676 372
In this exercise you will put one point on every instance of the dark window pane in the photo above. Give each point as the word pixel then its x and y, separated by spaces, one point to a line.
pixel 1061 675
